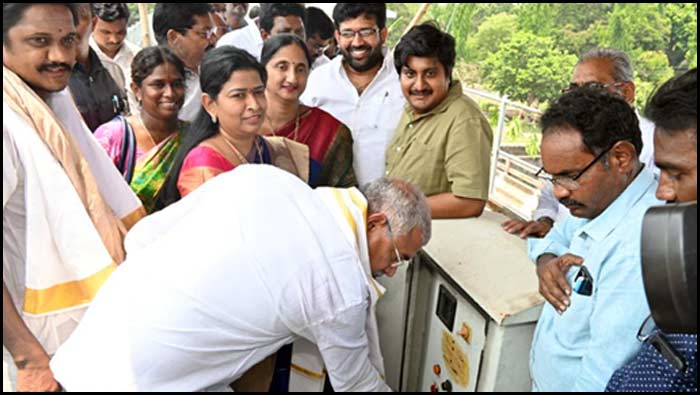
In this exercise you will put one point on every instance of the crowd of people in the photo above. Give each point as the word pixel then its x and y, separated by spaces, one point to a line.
pixel 175 216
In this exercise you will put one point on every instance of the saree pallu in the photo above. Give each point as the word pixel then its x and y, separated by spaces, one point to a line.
pixel 330 148
pixel 150 170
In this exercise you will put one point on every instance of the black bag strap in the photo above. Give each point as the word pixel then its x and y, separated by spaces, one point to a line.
pixel 127 159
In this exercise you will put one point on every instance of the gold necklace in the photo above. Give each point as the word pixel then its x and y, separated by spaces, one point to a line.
pixel 238 154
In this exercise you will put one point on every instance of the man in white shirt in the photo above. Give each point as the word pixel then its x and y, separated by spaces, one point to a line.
pixel 108 39
pixel 193 310
pixel 65 206
pixel 610 69
pixel 187 29
pixel 360 88
pixel 275 18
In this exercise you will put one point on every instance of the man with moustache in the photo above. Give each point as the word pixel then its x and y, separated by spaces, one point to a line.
pixel 443 141
pixel 607 68
pixel 66 208
pixel 360 88
pixel 590 149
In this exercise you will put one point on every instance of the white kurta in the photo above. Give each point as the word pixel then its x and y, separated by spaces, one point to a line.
pixel 371 117
pixel 50 245
pixel 250 261
pixel 193 97
pixel 246 38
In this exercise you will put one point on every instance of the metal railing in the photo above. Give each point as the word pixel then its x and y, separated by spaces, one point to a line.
pixel 514 170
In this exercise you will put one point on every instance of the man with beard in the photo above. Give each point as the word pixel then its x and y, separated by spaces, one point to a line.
pixel 65 208
pixel 674 111
pixel 360 88
pixel 443 141
pixel 590 149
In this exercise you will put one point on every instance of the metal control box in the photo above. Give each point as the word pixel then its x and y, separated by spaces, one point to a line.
pixel 461 317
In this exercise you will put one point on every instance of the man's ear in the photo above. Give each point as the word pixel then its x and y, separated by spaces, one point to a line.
pixel 172 36
pixel 383 35
pixel 625 154
pixel 94 23
pixel 265 35
pixel 629 90
pixel 376 219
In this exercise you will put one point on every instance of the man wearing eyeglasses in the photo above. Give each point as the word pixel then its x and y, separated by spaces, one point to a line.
pixel 668 361
pixel 187 29
pixel 208 291
pixel 605 68
pixel 589 265
pixel 360 88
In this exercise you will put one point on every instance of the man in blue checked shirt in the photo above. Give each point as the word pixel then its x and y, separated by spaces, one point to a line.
pixel 674 110
pixel 589 265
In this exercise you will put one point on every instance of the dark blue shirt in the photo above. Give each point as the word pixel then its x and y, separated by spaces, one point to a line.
pixel 651 371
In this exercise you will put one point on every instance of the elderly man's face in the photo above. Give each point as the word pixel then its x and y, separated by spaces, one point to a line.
pixel 564 154
pixel 601 71
pixel 41 48
pixel 384 245
pixel 676 156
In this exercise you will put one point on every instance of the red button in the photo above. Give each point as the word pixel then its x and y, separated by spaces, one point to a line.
pixel 434 388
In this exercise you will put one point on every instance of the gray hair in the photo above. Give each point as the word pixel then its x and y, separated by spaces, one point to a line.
pixel 622 65
pixel 403 204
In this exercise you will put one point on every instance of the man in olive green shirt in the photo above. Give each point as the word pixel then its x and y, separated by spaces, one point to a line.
pixel 443 141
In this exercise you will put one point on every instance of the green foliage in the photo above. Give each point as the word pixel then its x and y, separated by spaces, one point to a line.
pixel 652 69
pixel 528 51
pixel 532 144
pixel 536 18
pixel 528 69
pixel 495 30
pixel 638 26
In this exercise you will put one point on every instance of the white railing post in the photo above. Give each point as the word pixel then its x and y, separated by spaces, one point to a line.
pixel 497 142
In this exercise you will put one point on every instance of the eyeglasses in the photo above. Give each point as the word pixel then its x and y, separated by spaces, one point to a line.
pixel 399 261
pixel 570 182
pixel 583 282
pixel 348 34
pixel 592 84
pixel 648 333
pixel 205 34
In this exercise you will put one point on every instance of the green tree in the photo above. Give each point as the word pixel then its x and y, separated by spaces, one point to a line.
pixel 638 26
pixel 651 70
pixel 495 29
pixel 528 69
pixel 683 34
pixel 536 18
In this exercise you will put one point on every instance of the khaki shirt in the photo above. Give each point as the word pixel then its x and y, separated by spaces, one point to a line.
pixel 445 150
